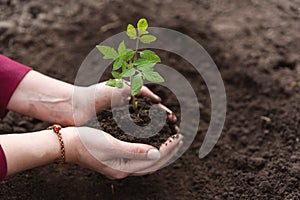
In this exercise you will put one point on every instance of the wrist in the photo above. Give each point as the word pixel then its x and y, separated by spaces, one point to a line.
pixel 70 138
pixel 83 101
pixel 102 97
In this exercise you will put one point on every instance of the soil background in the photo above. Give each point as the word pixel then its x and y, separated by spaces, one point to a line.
pixel 256 46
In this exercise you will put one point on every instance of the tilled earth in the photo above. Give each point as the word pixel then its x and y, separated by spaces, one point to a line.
pixel 256 46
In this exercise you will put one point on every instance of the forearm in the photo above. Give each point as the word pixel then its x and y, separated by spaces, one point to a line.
pixel 29 150
pixel 55 101
pixel 44 98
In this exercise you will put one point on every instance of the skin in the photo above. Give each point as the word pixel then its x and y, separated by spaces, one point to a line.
pixel 50 100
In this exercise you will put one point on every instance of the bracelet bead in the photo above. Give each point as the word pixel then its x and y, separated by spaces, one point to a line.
pixel 56 128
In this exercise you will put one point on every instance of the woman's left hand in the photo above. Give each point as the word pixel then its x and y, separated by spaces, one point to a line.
pixel 55 101
pixel 104 97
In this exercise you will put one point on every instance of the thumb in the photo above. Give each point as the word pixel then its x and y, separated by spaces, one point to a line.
pixel 146 92
pixel 138 151
pixel 120 95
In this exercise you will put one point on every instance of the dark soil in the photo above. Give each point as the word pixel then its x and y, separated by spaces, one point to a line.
pixel 140 116
pixel 256 46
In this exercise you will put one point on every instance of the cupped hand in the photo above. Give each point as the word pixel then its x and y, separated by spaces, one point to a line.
pixel 116 159
pixel 105 97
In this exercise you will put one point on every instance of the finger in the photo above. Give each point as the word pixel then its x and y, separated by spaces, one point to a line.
pixel 166 152
pixel 174 143
pixel 171 115
pixel 167 158
pixel 176 128
pixel 173 118
pixel 170 144
pixel 146 92
pixel 160 163
pixel 165 108
pixel 137 151
pixel 120 96
pixel 126 91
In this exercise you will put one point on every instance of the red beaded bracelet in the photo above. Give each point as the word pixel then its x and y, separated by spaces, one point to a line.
pixel 56 128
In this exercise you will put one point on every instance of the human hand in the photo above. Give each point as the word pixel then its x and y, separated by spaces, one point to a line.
pixel 113 158
pixel 54 101
pixel 105 96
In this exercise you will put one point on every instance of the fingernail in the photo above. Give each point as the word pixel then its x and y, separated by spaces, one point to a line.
pixel 158 98
pixel 165 108
pixel 174 117
pixel 153 154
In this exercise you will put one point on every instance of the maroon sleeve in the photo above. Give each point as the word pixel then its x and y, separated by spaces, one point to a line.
pixel 11 74
pixel 3 165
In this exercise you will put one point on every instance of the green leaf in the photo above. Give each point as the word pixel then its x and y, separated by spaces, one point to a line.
pixel 146 68
pixel 142 26
pixel 116 74
pixel 111 82
pixel 118 63
pixel 131 32
pixel 153 76
pixel 147 39
pixel 122 48
pixel 128 73
pixel 108 52
pixel 115 83
pixel 140 63
pixel 137 84
pixel 130 65
pixel 129 54
pixel 150 55
pixel 119 83
pixel 124 66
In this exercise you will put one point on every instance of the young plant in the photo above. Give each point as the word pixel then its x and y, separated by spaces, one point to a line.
pixel 130 66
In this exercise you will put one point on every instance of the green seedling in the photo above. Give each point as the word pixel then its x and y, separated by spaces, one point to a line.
pixel 130 66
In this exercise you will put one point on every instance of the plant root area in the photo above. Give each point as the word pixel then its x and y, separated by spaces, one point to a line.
pixel 255 45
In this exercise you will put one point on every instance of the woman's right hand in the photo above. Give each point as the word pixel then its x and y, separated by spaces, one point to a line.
pixel 113 158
